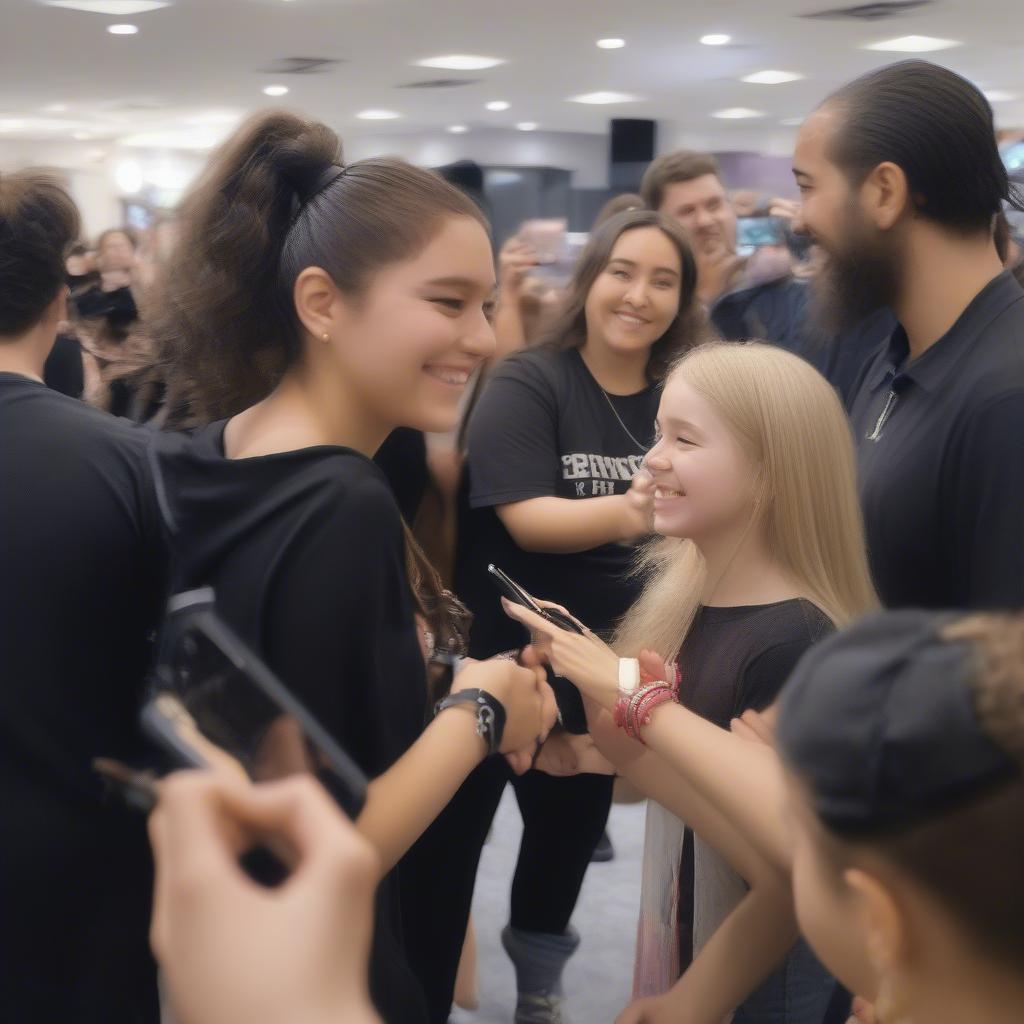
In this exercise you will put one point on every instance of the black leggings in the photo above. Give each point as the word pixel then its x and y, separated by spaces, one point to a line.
pixel 562 822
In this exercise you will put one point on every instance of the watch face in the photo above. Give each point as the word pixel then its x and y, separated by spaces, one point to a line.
pixel 629 674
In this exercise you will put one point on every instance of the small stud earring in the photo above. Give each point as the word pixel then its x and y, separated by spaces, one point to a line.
pixel 326 337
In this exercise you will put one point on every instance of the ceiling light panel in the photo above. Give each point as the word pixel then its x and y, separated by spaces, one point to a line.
pixel 913 44
pixel 378 115
pixel 111 8
pixel 498 105
pixel 716 39
pixel 460 62
pixel 772 77
pixel 602 98
pixel 611 44
pixel 737 113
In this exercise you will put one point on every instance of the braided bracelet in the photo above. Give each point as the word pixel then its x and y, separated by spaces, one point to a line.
pixel 633 712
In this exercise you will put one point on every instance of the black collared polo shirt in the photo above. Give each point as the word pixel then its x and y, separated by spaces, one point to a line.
pixel 941 460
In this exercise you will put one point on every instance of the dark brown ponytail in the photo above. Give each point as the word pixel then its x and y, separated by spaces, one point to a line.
pixel 271 203
pixel 274 200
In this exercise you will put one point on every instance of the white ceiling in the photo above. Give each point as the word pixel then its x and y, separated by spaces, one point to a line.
pixel 195 66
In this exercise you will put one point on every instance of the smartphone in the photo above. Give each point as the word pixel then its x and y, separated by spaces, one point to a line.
pixel 549 239
pixel 570 703
pixel 215 698
pixel 514 592
pixel 757 232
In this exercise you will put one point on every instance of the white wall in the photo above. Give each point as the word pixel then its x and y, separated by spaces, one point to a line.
pixel 729 138
pixel 91 169
pixel 582 153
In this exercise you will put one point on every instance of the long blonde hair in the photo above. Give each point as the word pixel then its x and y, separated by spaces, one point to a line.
pixel 792 428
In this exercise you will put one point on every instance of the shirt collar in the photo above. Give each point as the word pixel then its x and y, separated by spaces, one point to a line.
pixel 930 369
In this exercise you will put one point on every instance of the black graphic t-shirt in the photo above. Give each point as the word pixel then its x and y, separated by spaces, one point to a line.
pixel 543 427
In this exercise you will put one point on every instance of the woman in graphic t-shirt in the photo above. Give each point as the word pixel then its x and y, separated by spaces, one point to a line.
pixel 553 444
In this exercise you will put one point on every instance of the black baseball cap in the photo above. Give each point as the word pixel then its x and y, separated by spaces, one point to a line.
pixel 879 721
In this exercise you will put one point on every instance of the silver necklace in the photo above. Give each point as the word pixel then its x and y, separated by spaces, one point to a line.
pixel 640 447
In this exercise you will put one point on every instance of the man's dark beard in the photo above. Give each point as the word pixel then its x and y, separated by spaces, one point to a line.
pixel 854 282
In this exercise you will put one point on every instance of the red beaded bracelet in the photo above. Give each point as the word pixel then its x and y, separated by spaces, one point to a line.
pixel 633 712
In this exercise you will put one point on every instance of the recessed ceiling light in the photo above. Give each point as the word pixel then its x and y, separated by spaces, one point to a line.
pixel 737 113
pixel 123 30
pixel 611 44
pixel 112 8
pixel 81 136
pixel 276 90
pixel 603 98
pixel 1000 96
pixel 458 129
pixel 527 126
pixel 772 77
pixel 128 175
pixel 460 62
pixel 377 115
pixel 498 105
pixel 913 44
pixel 716 39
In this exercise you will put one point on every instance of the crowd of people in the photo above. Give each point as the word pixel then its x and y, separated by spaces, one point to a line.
pixel 770 505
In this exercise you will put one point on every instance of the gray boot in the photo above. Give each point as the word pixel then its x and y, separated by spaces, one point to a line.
pixel 539 959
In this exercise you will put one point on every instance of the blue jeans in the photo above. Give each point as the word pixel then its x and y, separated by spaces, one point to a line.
pixel 797 993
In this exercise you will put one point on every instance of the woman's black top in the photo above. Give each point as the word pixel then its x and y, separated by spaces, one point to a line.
pixel 305 552
pixel 82 587
pixel 543 427
pixel 735 660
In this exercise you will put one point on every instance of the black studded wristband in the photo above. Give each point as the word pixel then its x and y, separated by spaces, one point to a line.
pixel 490 714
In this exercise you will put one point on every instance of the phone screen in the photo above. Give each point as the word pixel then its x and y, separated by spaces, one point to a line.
pixel 757 232
pixel 240 706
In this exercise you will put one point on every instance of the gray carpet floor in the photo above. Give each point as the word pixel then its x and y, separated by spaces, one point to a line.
pixel 599 978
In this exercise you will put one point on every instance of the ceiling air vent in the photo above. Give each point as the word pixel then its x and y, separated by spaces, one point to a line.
pixel 870 12
pixel 300 66
pixel 440 83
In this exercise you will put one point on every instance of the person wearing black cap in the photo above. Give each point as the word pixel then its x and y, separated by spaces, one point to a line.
pixel 904 743
pixel 901 182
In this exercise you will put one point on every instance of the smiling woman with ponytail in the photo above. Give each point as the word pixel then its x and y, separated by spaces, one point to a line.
pixel 309 309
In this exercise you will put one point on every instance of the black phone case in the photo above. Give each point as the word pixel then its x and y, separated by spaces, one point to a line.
pixel 194 611
pixel 515 593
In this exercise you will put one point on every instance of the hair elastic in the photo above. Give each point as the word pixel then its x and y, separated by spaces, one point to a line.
pixel 324 180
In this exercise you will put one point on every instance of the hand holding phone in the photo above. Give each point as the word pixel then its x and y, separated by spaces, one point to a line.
pixel 515 593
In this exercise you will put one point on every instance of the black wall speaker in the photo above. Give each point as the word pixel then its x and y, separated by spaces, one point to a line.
pixel 632 148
